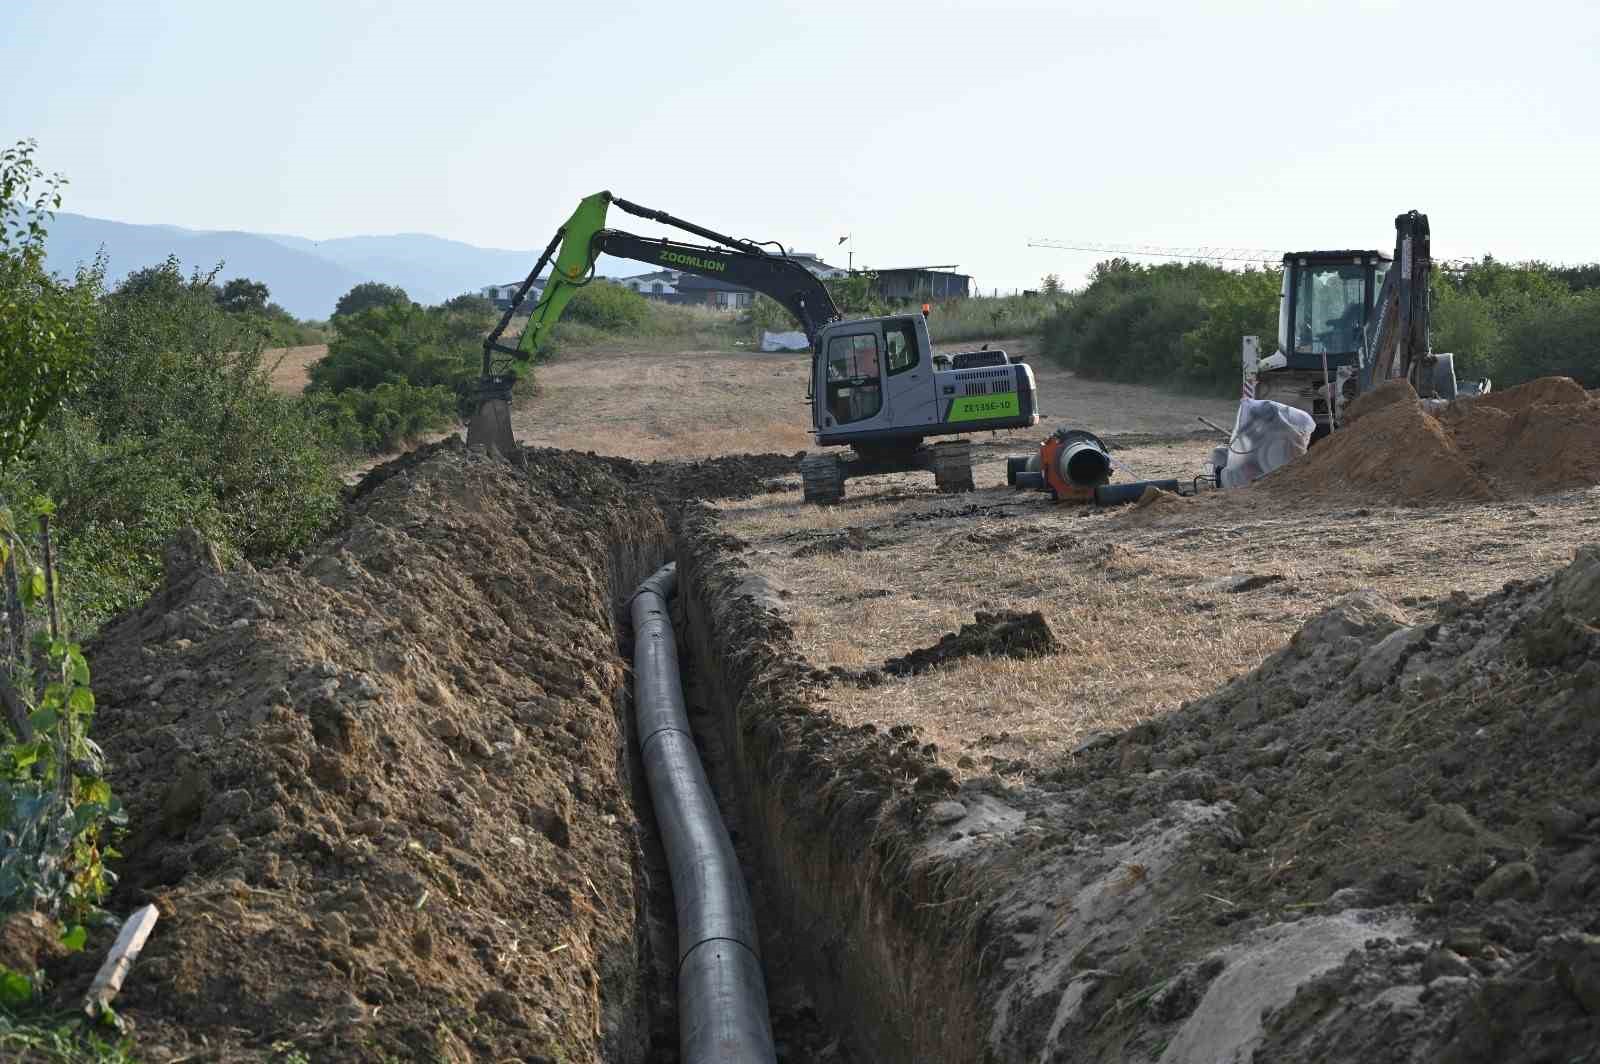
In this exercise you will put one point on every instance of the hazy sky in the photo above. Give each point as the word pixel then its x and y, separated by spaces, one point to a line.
pixel 934 133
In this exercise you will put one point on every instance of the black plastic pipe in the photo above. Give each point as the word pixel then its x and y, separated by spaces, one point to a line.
pixel 1119 494
pixel 722 995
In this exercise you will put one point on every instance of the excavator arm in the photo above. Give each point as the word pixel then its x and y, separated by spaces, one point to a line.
pixel 578 244
pixel 1397 342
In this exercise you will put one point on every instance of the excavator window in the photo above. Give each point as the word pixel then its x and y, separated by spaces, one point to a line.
pixel 1330 307
pixel 901 341
pixel 855 387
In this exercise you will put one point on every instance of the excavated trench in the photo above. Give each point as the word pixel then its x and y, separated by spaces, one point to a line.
pixel 388 800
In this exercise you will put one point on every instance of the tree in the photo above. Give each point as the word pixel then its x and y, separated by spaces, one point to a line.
pixel 243 296
pixel 1051 284
pixel 469 303
pixel 370 294
pixel 46 325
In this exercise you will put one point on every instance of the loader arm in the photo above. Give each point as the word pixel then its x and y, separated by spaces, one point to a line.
pixel 1396 339
pixel 578 244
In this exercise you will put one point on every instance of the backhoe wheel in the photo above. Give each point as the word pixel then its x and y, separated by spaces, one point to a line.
pixel 952 466
pixel 822 479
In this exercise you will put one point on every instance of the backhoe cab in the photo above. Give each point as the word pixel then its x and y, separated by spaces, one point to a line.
pixel 875 384
pixel 1347 322
pixel 1323 308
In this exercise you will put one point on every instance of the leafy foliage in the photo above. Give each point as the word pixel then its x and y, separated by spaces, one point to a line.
pixel 989 318
pixel 383 417
pixel 369 295
pixel 56 808
pixel 393 373
pixel 607 306
pixel 1182 323
pixel 175 424
pixel 1174 323
pixel 36 1037
pixel 46 326
pixel 1517 322
pixel 401 342
pixel 855 296
pixel 243 296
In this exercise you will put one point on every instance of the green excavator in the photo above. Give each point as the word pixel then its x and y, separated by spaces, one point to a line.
pixel 876 387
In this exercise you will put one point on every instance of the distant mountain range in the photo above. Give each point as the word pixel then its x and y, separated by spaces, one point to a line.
pixel 305 276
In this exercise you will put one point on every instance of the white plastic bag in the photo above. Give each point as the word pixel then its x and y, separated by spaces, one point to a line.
pixel 1266 435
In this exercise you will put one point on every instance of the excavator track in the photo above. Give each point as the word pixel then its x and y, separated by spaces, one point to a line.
pixel 822 479
pixel 951 462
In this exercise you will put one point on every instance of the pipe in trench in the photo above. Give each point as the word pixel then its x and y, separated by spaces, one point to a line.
pixel 722 994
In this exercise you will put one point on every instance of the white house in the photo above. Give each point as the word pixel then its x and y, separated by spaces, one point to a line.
pixel 657 283
pixel 501 295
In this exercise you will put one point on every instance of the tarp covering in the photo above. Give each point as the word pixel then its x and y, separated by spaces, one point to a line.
pixel 1266 435
pixel 784 341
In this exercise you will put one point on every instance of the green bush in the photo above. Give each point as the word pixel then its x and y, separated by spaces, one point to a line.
pixel 396 372
pixel 1176 324
pixel 389 415
pixel 607 306
pixel 401 342
pixel 46 325
pixel 1518 322
pixel 370 295
pixel 175 424
pixel 990 318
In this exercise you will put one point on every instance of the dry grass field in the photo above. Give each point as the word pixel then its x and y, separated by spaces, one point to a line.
pixel 290 367
pixel 1154 605
pixel 693 404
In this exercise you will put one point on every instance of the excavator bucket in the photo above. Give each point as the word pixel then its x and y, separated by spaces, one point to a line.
pixel 573 267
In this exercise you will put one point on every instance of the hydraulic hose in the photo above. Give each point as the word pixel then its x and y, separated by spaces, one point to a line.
pixel 722 994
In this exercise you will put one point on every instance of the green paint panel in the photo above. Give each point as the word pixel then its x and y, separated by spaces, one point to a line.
pixel 984 407
pixel 570 272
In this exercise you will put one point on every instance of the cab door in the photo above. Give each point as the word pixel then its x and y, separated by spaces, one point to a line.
pixel 908 371
pixel 853 396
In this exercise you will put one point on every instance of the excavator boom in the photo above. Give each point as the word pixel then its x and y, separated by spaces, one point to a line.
pixel 584 238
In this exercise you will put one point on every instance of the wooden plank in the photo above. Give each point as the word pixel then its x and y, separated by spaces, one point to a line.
pixel 124 951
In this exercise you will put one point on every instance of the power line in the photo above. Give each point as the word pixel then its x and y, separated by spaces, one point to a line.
pixel 1264 256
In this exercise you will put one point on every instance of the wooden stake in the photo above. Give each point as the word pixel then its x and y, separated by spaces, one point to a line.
pixel 50 577
pixel 124 951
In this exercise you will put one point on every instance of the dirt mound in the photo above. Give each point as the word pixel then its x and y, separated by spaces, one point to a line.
pixel 1435 783
pixel 1003 633
pixel 376 794
pixel 1546 391
pixel 737 476
pixel 1535 439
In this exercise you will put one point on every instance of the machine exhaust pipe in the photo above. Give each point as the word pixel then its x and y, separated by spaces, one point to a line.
pixel 723 1016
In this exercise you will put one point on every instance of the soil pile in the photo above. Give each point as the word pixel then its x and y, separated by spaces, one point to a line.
pixel 376 794
pixel 1003 633
pixel 1417 801
pixel 1537 438
pixel 737 476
